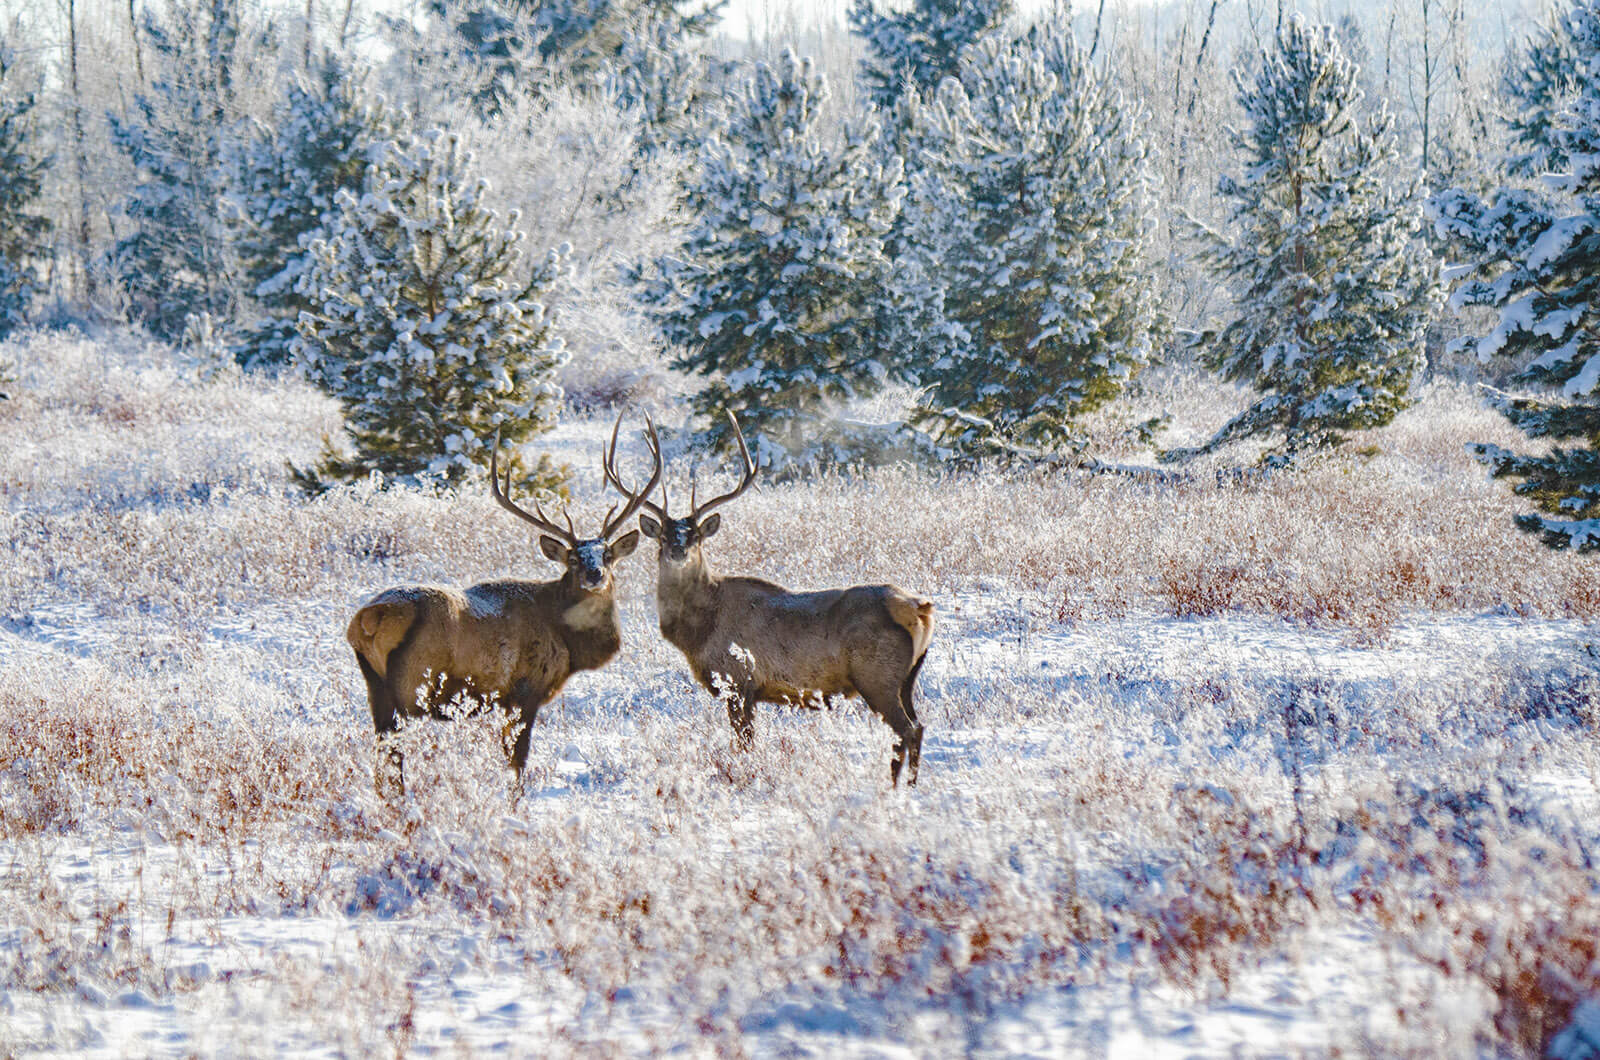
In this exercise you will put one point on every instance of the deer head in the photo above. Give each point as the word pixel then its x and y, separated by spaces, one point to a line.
pixel 680 539
pixel 589 561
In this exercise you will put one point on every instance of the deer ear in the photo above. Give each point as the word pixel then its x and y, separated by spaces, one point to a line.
pixel 710 526
pixel 623 546
pixel 553 549
pixel 651 528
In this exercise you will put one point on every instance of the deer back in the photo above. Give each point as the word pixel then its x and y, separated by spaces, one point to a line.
pixel 783 644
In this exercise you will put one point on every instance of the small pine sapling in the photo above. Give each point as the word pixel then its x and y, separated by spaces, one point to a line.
pixel 23 230
pixel 1019 298
pixel 1333 286
pixel 773 293
pixel 424 324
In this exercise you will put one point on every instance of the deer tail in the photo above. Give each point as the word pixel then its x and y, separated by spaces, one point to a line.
pixel 378 628
pixel 914 614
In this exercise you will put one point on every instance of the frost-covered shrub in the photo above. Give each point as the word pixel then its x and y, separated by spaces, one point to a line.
pixel 423 323
pixel 567 163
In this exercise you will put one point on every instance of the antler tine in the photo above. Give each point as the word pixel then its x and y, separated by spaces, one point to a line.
pixel 540 520
pixel 635 501
pixel 744 484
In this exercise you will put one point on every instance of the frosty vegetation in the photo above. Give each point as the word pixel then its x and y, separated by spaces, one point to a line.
pixel 1180 354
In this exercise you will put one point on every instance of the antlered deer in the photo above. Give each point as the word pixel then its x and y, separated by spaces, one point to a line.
pixel 517 641
pixel 771 645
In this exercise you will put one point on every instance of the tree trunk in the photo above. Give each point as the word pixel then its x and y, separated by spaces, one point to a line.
pixel 79 151
pixel 138 49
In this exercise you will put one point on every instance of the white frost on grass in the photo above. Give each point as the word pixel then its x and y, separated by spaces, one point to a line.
pixel 1135 834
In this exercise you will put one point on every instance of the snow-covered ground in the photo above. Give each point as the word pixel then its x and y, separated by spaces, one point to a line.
pixel 1136 834
pixel 487 992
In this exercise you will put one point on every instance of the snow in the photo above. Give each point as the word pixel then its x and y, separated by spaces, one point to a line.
pixel 1323 1000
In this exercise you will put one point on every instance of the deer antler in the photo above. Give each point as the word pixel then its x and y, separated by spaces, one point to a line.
pixel 638 500
pixel 749 476
pixel 540 520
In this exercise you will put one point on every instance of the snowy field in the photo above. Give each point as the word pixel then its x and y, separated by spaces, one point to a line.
pixel 1305 767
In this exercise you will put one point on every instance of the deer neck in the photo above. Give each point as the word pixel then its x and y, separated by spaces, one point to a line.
pixel 686 599
pixel 588 623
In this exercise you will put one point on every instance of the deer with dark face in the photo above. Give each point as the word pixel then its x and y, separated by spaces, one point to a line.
pixel 763 643
pixel 514 642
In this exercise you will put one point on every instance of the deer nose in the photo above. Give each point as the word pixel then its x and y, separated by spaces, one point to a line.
pixel 593 579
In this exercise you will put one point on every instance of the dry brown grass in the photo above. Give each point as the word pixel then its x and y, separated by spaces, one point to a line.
pixel 184 750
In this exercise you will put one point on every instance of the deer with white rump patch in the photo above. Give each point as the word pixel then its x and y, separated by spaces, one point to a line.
pixel 767 644
pixel 513 641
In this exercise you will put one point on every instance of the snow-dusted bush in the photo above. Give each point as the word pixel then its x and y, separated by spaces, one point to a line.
pixel 424 324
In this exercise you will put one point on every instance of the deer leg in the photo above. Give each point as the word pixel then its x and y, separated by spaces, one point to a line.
pixel 909 748
pixel 886 703
pixel 742 716
pixel 526 704
pixel 389 772
pixel 909 685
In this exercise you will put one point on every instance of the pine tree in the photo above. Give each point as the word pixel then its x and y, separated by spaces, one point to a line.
pixel 1539 79
pixel 919 47
pixel 422 323
pixel 178 262
pixel 1536 260
pixel 774 293
pixel 22 166
pixel 1333 287
pixel 521 43
pixel 1020 288
pixel 289 175
pixel 667 85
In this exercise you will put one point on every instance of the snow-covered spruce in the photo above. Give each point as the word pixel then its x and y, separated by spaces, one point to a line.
pixel 1538 81
pixel 919 46
pixel 288 175
pixel 177 261
pixel 671 87
pixel 22 166
pixel 1535 258
pixel 422 322
pixel 775 292
pixel 1333 286
pixel 1020 296
pixel 519 47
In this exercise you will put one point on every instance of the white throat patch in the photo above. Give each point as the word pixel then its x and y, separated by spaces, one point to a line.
pixel 588 614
